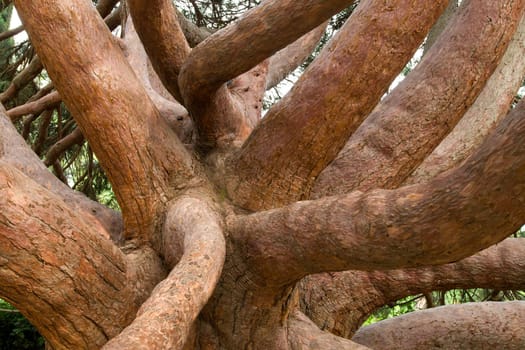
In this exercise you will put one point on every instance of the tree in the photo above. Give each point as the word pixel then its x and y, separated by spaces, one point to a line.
pixel 282 232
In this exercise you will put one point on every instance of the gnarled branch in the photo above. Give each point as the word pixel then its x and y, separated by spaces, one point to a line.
pixel 164 321
pixel 447 219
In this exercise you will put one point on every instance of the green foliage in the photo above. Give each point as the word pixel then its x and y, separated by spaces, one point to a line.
pixel 15 331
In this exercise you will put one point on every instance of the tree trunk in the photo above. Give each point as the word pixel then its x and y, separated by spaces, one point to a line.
pixel 226 219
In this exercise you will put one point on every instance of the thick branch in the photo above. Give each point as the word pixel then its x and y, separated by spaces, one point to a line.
pixel 303 334
pixel 14 151
pixel 303 133
pixel 234 50
pixel 165 319
pixel 465 326
pixel 411 121
pixel 286 60
pixel 159 30
pixel 57 269
pixel 447 219
pixel 257 35
pixel 341 302
pixel 143 159
pixel 491 106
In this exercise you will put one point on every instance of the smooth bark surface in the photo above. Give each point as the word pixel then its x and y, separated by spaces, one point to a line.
pixel 275 167
pixel 411 121
pixel 468 326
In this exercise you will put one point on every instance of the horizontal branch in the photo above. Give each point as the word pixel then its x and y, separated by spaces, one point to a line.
pixel 22 79
pixel 164 321
pixel 413 119
pixel 464 326
pixel 10 33
pixel 303 133
pixel 340 302
pixel 444 220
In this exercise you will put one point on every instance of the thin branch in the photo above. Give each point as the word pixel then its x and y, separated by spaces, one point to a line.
pixel 22 79
pixel 299 136
pixel 56 150
pixel 49 101
pixel 412 120
pixel 464 326
pixel 10 33
pixel 444 220
pixel 165 320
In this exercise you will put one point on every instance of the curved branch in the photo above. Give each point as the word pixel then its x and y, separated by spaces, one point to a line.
pixel 491 106
pixel 111 108
pixel 55 151
pixel 411 121
pixel 159 30
pixel 67 279
pixel 164 321
pixel 447 219
pixel 303 334
pixel 465 326
pixel 305 131
pixel 257 35
pixel 339 303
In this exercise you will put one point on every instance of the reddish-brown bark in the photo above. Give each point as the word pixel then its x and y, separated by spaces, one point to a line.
pixel 468 326
pixel 275 167
pixel 191 269
pixel 360 293
pixel 411 121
